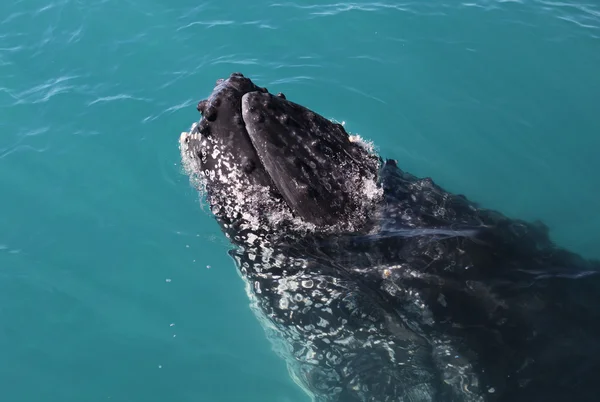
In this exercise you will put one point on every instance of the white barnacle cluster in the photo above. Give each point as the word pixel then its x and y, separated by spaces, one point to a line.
pixel 241 198
pixel 191 142
pixel 190 162
pixel 362 184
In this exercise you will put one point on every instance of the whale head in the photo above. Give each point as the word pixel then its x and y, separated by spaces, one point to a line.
pixel 261 158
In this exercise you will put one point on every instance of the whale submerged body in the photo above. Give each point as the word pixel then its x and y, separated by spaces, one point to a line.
pixel 376 285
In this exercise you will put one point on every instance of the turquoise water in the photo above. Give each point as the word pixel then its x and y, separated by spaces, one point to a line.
pixel 115 284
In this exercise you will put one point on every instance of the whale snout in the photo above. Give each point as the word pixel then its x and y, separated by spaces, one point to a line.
pixel 248 137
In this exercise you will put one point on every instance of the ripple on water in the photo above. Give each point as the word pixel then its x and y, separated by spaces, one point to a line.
pixel 112 98
pixel 43 92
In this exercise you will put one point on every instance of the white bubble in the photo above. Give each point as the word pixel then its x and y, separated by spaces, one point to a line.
pixel 168 280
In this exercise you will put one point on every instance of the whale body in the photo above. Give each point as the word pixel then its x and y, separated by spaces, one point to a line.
pixel 376 285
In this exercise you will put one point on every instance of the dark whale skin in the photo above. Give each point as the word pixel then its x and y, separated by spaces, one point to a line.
pixel 416 295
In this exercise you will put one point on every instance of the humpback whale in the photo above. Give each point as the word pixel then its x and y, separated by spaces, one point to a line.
pixel 376 285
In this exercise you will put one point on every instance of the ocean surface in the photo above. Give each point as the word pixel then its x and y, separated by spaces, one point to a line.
pixel 115 283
